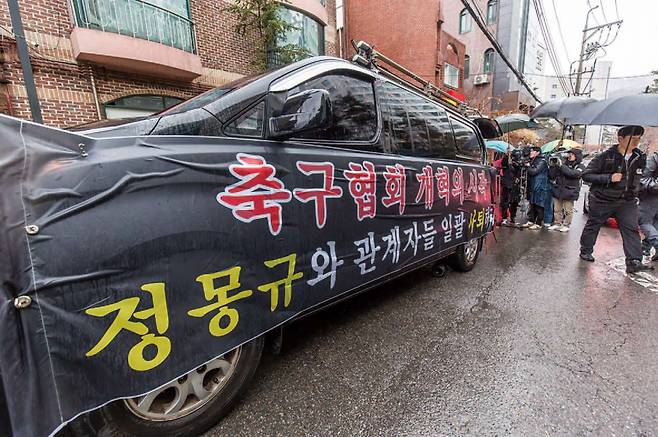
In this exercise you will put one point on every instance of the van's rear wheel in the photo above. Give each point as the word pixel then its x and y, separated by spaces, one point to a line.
pixel 188 406
pixel 466 256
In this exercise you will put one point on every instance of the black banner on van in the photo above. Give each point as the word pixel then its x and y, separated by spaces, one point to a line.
pixel 128 262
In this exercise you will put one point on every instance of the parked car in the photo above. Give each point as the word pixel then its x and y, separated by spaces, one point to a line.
pixel 152 257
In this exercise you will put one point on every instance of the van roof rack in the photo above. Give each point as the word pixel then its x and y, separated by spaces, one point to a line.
pixel 368 57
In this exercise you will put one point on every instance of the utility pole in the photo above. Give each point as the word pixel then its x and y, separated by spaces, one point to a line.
pixel 587 51
pixel 24 55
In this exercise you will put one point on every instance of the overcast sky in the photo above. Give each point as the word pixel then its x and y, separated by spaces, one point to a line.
pixel 635 52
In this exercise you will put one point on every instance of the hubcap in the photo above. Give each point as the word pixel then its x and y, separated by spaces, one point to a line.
pixel 188 393
pixel 471 250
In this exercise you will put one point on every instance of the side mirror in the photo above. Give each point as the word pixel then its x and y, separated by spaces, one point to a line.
pixel 489 128
pixel 302 112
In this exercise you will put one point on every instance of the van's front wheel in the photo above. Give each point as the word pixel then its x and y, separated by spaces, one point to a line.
pixel 188 406
pixel 466 256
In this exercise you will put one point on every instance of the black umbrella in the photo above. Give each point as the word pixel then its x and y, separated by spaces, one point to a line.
pixel 562 109
pixel 640 109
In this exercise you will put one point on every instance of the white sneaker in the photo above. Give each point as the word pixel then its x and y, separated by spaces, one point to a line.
pixel 527 224
pixel 534 227
pixel 555 227
pixel 504 222
pixel 547 225
pixel 564 229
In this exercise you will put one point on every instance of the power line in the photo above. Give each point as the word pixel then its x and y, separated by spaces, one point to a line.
pixel 496 45
pixel 559 28
pixel 605 19
pixel 550 47
pixel 479 11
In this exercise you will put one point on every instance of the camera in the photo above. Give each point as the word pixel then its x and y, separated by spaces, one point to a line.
pixel 556 159
pixel 521 156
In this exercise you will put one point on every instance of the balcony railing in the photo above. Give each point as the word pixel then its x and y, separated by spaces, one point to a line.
pixel 139 19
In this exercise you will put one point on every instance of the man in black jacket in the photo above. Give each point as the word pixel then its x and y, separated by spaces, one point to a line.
pixel 565 176
pixel 649 206
pixel 511 188
pixel 615 175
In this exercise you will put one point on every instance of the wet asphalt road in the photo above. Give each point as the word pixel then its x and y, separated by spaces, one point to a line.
pixel 533 342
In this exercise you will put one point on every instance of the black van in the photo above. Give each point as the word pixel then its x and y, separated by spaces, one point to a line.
pixel 150 258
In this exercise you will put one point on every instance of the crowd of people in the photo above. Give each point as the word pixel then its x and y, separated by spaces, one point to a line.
pixel 623 185
pixel 550 184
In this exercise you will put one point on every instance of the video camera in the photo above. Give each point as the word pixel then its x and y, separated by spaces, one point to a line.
pixel 520 157
pixel 556 159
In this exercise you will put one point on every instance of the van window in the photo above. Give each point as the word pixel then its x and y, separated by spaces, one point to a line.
pixel 353 104
pixel 414 126
pixel 468 145
pixel 249 124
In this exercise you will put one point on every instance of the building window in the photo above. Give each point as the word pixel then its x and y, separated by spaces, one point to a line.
pixel 163 21
pixel 451 76
pixel 554 86
pixel 465 23
pixel 553 96
pixel 488 61
pixel 491 11
pixel 138 106
pixel 467 66
pixel 308 33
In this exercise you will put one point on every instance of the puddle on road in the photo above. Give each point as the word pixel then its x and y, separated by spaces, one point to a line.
pixel 647 280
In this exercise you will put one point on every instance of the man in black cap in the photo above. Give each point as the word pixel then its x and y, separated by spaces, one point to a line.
pixel 614 175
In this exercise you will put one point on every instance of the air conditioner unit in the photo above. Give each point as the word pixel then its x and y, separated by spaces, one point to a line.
pixel 481 79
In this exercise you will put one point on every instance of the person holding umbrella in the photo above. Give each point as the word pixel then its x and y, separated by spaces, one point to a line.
pixel 614 175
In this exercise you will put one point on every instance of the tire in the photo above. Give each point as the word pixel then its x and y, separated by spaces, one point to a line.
pixel 466 256
pixel 125 418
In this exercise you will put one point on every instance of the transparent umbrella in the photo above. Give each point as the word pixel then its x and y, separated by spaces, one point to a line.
pixel 559 144
pixel 513 122
pixel 498 146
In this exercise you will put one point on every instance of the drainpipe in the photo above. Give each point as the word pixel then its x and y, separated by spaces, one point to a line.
pixel 92 81
pixel 24 55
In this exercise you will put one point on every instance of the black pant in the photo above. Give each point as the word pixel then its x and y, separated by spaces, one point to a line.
pixel 625 211
pixel 536 214
pixel 509 201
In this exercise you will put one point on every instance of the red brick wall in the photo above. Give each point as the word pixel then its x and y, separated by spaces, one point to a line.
pixel 218 45
pixel 45 16
pixel 447 55
pixel 331 41
pixel 64 86
pixel 398 30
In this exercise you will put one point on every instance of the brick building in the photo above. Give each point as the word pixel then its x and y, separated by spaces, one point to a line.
pixel 479 62
pixel 97 59
pixel 412 34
